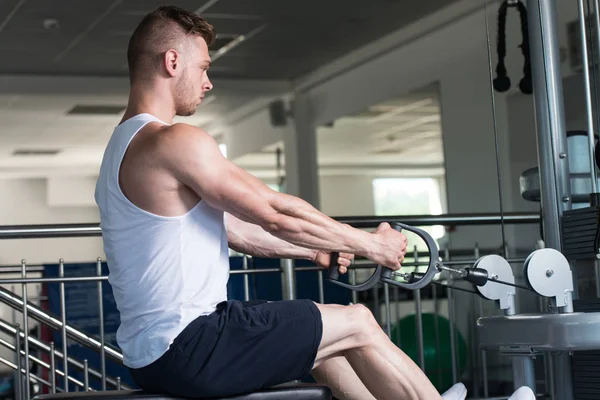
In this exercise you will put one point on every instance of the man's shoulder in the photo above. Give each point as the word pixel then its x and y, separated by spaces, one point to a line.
pixel 181 133
pixel 181 140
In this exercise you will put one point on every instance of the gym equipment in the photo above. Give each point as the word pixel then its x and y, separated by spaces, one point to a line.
pixel 305 391
pixel 384 274
pixel 548 273
pixel 579 173
pixel 502 81
pixel 477 275
pixel 498 268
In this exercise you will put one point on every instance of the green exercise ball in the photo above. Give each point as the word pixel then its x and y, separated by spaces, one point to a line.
pixel 438 367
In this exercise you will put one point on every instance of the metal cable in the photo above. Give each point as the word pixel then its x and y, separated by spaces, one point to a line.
pixel 513 285
pixel 494 117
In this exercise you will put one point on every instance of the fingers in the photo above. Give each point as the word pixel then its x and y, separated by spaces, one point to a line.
pixel 399 263
pixel 344 261
pixel 347 256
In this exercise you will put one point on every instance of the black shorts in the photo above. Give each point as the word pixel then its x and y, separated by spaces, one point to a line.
pixel 240 348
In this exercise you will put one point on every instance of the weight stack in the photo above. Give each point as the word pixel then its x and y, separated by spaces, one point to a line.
pixel 580 233
pixel 585 365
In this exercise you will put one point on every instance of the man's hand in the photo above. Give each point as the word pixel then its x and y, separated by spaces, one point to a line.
pixel 391 247
pixel 323 259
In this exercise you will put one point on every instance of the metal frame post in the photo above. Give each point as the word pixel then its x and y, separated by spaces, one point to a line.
pixel 288 279
pixel 552 143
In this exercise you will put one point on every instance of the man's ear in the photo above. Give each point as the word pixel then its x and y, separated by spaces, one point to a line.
pixel 171 61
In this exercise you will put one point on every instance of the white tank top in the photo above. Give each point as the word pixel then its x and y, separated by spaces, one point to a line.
pixel 164 271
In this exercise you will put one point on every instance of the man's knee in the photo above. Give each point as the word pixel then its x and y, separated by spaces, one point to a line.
pixel 366 329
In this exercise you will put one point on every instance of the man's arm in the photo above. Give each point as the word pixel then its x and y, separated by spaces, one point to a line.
pixel 253 240
pixel 194 158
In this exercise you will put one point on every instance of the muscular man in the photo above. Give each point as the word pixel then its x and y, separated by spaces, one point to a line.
pixel 171 205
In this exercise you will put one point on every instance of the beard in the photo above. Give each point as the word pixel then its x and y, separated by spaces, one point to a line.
pixel 185 105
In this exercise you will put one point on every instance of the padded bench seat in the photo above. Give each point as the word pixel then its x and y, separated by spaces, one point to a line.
pixel 302 391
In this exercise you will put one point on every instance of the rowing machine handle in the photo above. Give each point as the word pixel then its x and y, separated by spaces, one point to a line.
pixel 380 271
pixel 384 274
pixel 434 257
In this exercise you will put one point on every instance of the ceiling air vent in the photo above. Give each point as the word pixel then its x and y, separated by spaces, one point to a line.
pixel 35 152
pixel 81 109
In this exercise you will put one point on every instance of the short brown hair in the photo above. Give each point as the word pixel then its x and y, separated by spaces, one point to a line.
pixel 158 31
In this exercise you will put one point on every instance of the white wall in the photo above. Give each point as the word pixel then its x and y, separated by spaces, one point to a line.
pixel 347 195
pixel 25 203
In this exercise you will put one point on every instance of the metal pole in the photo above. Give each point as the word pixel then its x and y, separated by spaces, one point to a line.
pixel 450 298
pixel 86 230
pixel 19 385
pixel 444 219
pixel 52 368
pixel 377 308
pixel 552 144
pixel 436 332
pixel 388 314
pixel 118 383
pixel 450 295
pixel 483 360
pixel 63 314
pixel 288 279
pixel 396 299
pixel 419 319
pixel 523 372
pixel 101 320
pixel 484 370
pixel 483 354
pixel 550 121
pixel 26 331
pixel 588 96
pixel 86 377
pixel 597 276
pixel 246 278
pixel 353 282
pixel 321 288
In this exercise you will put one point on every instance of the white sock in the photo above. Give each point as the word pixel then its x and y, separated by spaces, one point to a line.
pixel 523 393
pixel 457 392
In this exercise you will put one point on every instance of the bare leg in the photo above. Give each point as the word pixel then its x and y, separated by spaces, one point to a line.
pixel 386 372
pixel 338 375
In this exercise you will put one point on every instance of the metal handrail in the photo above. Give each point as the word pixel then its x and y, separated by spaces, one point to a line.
pixel 9 298
pixel 12 331
pixel 93 229
pixel 442 219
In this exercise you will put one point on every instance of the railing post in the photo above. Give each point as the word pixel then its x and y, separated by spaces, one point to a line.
pixel 288 279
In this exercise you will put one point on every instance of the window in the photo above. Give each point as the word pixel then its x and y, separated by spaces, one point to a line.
pixel 409 196
pixel 223 148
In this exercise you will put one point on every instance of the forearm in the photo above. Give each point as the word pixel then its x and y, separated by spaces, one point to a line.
pixel 253 240
pixel 298 222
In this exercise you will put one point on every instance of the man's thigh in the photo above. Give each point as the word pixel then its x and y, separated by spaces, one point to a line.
pixel 261 345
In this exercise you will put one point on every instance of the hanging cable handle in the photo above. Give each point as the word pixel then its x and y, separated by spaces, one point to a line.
pixel 384 274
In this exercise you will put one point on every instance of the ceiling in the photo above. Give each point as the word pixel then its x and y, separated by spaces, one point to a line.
pixel 59 55
pixel 258 39
pixel 399 136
